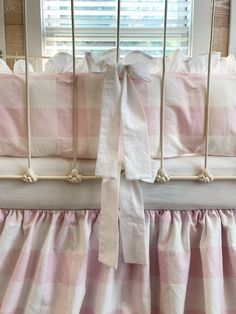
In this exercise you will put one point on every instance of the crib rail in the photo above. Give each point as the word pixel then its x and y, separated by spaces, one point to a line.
pixel 29 172
pixel 162 176
pixel 74 180
pixel 75 176
pixel 205 175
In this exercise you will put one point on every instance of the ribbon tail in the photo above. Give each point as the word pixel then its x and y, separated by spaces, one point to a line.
pixel 108 147
pixel 135 133
pixel 109 229
pixel 134 237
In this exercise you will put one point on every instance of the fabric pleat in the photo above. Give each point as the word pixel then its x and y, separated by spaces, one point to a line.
pixel 49 264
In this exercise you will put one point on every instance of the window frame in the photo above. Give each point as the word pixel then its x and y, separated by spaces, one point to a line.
pixel 199 31
pixel 232 32
pixel 2 30
pixel 35 31
pixel 201 27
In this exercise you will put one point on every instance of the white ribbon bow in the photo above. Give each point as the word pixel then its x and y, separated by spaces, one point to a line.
pixel 123 118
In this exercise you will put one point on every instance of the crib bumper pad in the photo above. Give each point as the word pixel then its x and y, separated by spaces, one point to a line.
pixel 52 113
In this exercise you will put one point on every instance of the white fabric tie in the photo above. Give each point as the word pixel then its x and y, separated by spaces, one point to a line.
pixel 123 107
pixel 122 110
pixel 109 232
pixel 132 223
pixel 108 148
pixel 134 126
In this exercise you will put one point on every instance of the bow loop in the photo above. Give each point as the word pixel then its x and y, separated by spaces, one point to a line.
pixel 137 70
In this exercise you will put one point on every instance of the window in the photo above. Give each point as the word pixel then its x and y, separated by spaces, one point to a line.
pixel 95 21
pixel 189 28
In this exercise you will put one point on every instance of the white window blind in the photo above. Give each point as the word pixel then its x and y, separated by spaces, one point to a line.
pixel 141 25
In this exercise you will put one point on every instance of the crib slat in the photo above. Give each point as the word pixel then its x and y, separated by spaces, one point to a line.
pixel 162 177
pixel 29 176
pixel 205 175
pixel 118 32
pixel 27 83
pixel 74 176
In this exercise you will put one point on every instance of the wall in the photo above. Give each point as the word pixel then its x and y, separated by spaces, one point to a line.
pixel 14 26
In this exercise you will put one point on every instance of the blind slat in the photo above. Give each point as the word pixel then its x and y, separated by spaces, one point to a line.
pixel 95 22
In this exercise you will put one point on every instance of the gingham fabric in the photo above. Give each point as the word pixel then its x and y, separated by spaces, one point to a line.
pixel 49 264
pixel 51 114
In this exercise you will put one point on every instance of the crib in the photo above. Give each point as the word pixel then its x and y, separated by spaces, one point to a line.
pixel 117 189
